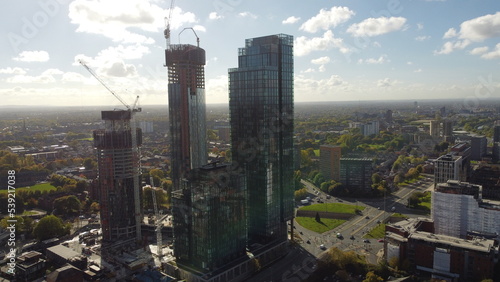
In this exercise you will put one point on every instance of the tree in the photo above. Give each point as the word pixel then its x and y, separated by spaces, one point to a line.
pixel 318 219
pixel 376 178
pixel 67 205
pixel 372 277
pixel 300 194
pixel 50 226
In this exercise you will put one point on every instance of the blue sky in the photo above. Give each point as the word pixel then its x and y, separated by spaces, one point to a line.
pixel 344 50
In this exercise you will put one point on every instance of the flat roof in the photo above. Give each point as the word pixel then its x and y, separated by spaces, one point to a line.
pixel 479 245
pixel 63 251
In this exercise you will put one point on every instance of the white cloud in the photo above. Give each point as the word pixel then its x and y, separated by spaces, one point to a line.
pixel 217 88
pixel 481 28
pixel 215 16
pixel 380 60
pixel 321 60
pixel 376 26
pixel 386 82
pixel 321 87
pixel 420 26
pixel 409 63
pixel 418 70
pixel 291 20
pixel 326 19
pixel 15 70
pixel 118 20
pixel 304 45
pixel 46 77
pixel 422 38
pixel 247 15
pixel 479 50
pixel 450 33
pixel 495 54
pixel 32 56
pixel 449 47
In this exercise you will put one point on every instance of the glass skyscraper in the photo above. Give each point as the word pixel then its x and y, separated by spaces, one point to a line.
pixel 261 113
pixel 186 105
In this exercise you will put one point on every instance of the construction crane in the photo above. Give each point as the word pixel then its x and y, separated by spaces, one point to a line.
pixel 197 38
pixel 168 19
pixel 158 222
pixel 135 151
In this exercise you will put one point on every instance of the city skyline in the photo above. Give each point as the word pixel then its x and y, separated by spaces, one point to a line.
pixel 344 51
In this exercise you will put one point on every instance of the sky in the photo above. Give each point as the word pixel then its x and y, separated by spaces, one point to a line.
pixel 343 50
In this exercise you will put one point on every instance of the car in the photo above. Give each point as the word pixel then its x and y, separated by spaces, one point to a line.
pixel 352 237
pixel 366 241
pixel 378 208
pixel 301 233
pixel 328 196
pixel 339 236
pixel 381 241
pixel 367 217
pixel 378 221
pixel 322 247
pixel 308 242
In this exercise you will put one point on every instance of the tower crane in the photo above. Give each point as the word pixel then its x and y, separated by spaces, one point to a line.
pixel 158 221
pixel 135 151
pixel 168 19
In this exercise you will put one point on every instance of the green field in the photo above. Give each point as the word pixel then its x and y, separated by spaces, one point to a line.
pixel 376 233
pixel 324 225
pixel 38 187
pixel 333 207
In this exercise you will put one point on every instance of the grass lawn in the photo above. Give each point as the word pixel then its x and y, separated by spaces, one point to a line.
pixel 320 227
pixel 399 215
pixel 38 187
pixel 333 207
pixel 376 233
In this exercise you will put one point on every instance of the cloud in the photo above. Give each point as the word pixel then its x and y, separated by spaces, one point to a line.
pixel 32 56
pixel 217 88
pixel 247 15
pixel 418 70
pixel 376 26
pixel 481 28
pixel 450 33
pixel 420 26
pixel 422 38
pixel 304 45
pixel 381 60
pixel 479 50
pixel 46 77
pixel 386 82
pixel 450 46
pixel 326 19
pixel 473 30
pixel 495 54
pixel 119 20
pixel 16 70
pixel 215 16
pixel 321 60
pixel 291 20
pixel 319 87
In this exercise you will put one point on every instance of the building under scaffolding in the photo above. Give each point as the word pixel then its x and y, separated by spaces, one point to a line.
pixel 119 167
pixel 459 210
pixel 186 104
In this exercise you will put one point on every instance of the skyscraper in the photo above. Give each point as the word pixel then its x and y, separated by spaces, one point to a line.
pixel 118 168
pixel 186 105
pixel 210 217
pixel 329 161
pixel 261 114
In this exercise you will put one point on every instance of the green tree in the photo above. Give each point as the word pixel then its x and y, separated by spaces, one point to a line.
pixel 372 277
pixel 300 194
pixel 50 226
pixel 67 205
pixel 376 178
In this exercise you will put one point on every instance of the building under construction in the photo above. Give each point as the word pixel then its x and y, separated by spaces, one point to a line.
pixel 119 170
pixel 186 104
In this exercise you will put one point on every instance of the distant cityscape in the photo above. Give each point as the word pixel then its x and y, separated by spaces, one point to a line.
pixel 261 189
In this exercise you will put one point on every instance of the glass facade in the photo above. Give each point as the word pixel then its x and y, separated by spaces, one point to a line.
pixel 118 167
pixel 186 104
pixel 210 212
pixel 261 113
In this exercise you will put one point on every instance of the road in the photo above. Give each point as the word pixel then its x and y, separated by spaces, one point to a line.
pixel 376 210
